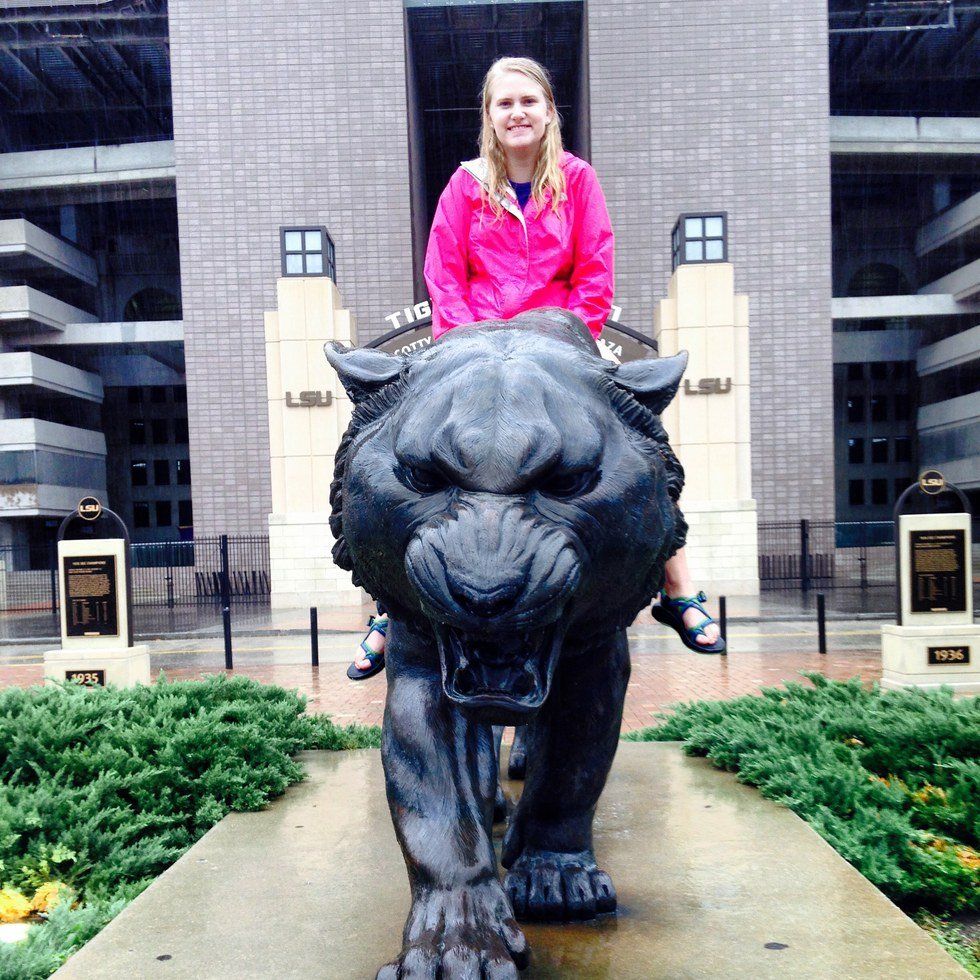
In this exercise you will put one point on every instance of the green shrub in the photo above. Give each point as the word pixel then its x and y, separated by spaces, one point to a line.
pixel 962 948
pixel 103 789
pixel 889 779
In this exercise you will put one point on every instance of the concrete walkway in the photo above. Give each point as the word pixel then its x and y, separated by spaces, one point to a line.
pixel 713 881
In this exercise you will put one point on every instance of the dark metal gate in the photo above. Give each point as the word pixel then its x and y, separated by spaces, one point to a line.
pixel 826 554
pixel 167 573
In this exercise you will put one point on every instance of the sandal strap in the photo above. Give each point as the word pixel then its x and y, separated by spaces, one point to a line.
pixel 699 629
pixel 370 654
pixel 377 624
pixel 681 603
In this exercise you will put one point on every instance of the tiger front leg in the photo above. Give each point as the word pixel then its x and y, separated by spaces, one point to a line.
pixel 548 848
pixel 440 773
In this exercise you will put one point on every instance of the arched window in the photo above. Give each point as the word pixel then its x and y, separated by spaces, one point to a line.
pixel 878 279
pixel 152 303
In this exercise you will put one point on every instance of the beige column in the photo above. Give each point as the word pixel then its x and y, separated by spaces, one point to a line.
pixel 708 424
pixel 308 414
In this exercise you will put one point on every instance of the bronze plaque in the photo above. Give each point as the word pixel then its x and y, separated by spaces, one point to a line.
pixel 948 655
pixel 88 678
pixel 91 595
pixel 938 572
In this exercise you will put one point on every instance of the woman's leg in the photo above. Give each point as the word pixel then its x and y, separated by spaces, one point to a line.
pixel 678 583
pixel 374 641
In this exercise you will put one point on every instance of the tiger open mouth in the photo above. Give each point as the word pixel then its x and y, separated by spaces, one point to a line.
pixel 504 677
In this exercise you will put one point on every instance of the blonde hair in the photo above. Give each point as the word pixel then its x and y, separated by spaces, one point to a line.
pixel 548 175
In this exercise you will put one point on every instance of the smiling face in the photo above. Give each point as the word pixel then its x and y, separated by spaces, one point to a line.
pixel 519 112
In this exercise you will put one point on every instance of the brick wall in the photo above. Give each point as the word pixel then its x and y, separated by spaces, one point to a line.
pixel 284 113
pixel 291 113
pixel 723 104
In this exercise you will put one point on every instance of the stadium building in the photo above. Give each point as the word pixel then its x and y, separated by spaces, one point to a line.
pixel 162 164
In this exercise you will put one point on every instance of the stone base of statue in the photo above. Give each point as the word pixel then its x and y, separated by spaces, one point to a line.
pixel 708 873
pixel 121 667
pixel 931 657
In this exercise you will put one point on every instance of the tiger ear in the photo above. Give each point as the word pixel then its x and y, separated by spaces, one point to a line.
pixel 653 381
pixel 363 370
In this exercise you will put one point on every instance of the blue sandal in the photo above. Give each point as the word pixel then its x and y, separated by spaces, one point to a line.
pixel 670 612
pixel 376 624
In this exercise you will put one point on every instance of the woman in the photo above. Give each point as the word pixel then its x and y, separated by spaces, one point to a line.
pixel 525 225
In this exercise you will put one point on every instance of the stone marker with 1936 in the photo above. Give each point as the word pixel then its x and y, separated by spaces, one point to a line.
pixel 934 641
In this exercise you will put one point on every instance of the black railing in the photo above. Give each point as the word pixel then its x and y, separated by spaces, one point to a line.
pixel 827 554
pixel 167 573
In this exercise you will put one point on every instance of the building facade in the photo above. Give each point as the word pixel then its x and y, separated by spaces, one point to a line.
pixel 153 156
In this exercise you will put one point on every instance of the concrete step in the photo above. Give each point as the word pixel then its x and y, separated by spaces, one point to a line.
pixel 713 881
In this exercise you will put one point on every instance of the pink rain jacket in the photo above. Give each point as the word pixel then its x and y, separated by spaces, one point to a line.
pixel 480 267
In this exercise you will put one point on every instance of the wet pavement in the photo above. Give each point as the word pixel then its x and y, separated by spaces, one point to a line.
pixel 771 640
pixel 713 881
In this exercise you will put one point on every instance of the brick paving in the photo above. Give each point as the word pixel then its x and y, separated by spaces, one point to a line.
pixel 662 675
pixel 658 680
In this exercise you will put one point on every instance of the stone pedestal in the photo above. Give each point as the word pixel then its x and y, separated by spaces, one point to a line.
pixel 708 424
pixel 906 659
pixel 119 667
pixel 936 643
pixel 308 414
pixel 96 649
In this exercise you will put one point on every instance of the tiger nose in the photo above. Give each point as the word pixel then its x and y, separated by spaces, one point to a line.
pixel 485 601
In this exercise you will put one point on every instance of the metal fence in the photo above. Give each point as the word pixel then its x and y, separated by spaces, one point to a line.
pixel 168 573
pixel 827 554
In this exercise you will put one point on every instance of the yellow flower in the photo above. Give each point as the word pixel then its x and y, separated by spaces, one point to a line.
pixel 13 906
pixel 930 794
pixel 49 895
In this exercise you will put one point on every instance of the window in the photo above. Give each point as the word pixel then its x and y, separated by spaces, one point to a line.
pixel 879 491
pixel 164 511
pixel 137 432
pixel 879 370
pixel 185 513
pixel 855 450
pixel 184 472
pixel 903 449
pixel 879 450
pixel 901 406
pixel 158 394
pixel 699 238
pixel 855 409
pixel 180 394
pixel 879 409
pixel 855 492
pixel 180 430
pixel 901 485
pixel 134 396
pixel 138 475
pixel 308 252
pixel 161 430
pixel 855 372
pixel 141 514
pixel 161 472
